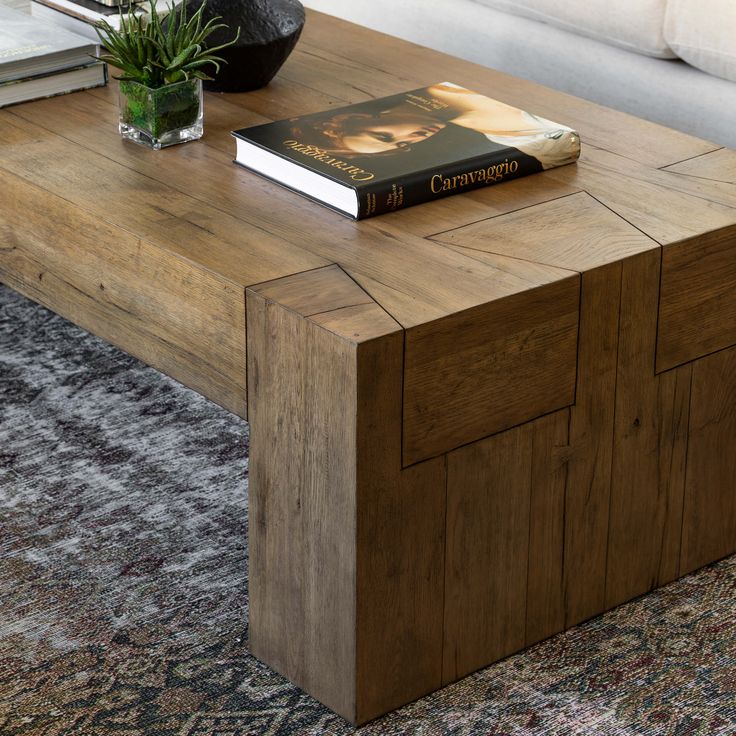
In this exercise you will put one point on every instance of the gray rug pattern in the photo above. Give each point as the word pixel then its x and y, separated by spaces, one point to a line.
pixel 124 571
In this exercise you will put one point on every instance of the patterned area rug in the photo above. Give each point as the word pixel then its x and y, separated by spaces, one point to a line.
pixel 124 583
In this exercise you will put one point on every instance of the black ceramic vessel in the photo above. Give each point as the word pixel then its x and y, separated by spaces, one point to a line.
pixel 269 30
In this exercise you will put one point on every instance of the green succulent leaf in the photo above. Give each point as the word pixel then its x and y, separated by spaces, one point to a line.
pixel 193 50
pixel 197 65
pixel 162 47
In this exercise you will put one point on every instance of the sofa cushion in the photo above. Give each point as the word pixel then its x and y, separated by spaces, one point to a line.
pixel 635 25
pixel 707 40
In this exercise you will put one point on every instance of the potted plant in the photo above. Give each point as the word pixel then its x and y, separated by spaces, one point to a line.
pixel 163 59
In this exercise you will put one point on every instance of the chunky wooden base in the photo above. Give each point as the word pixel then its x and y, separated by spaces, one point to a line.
pixel 474 423
pixel 374 582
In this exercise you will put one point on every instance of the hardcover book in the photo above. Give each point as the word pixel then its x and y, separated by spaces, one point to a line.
pixel 29 47
pixel 80 16
pixel 382 155
pixel 38 59
pixel 52 84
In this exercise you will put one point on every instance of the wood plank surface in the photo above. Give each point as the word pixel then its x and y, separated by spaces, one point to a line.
pixel 664 206
pixel 587 497
pixel 650 429
pixel 265 233
pixel 314 292
pixel 545 601
pixel 674 427
pixel 80 122
pixel 444 214
pixel 488 501
pixel 81 119
pixel 636 507
pixel 719 165
pixel 347 550
pixel 186 321
pixel 697 311
pixel 490 368
pixel 165 217
pixel 400 543
pixel 576 233
pixel 302 503
pixel 709 515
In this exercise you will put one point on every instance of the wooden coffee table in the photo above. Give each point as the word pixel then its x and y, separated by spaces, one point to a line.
pixel 474 423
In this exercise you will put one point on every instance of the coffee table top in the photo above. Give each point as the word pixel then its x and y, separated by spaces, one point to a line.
pixel 637 187
pixel 636 184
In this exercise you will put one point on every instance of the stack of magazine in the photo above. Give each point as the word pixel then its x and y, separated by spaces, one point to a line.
pixel 39 59
pixel 80 16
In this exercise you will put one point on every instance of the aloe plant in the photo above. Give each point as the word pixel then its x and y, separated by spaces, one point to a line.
pixel 156 50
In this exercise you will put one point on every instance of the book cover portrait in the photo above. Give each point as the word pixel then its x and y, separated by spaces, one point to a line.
pixel 418 145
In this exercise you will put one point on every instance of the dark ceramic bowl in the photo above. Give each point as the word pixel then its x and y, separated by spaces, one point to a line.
pixel 269 30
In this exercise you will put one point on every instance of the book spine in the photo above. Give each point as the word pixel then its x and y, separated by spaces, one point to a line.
pixel 455 178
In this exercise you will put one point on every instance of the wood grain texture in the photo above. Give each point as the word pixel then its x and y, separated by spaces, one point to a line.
pixel 709 515
pixel 587 496
pixel 186 321
pixel 302 522
pixel 665 206
pixel 489 369
pixel 674 426
pixel 347 556
pixel 442 215
pixel 488 500
pixel 401 546
pixel 315 292
pixel 545 606
pixel 87 120
pixel 258 231
pixel 662 205
pixel 575 232
pixel 163 216
pixel 697 311
pixel 719 165
pixel 650 428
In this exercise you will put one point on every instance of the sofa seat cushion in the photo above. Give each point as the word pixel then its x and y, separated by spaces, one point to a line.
pixel 635 25
pixel 704 34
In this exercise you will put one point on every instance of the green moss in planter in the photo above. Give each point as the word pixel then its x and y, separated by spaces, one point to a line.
pixel 163 110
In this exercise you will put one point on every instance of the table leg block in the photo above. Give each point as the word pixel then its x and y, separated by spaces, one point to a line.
pixel 373 584
pixel 564 517
pixel 346 548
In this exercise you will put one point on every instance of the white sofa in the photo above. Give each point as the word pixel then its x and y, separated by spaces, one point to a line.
pixel 627 54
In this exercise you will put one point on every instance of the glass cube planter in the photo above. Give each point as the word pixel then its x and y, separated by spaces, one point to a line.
pixel 162 116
